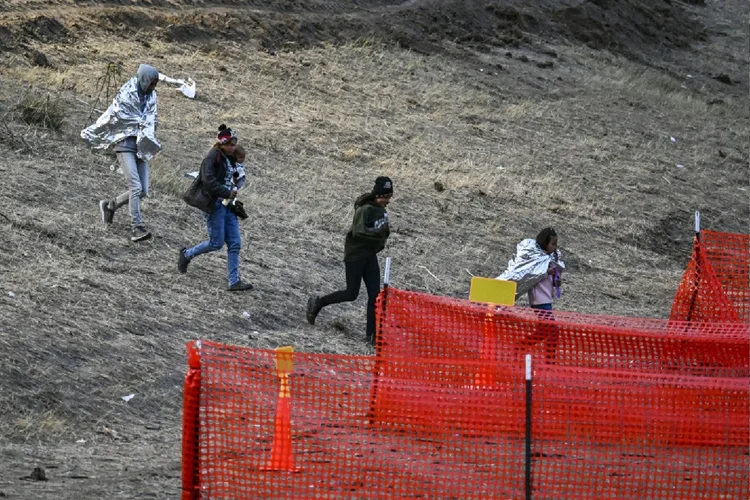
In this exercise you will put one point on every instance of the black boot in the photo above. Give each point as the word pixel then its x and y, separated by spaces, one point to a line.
pixel 240 286
pixel 182 262
pixel 313 308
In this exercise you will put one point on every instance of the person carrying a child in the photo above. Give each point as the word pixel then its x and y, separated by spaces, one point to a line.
pixel 214 192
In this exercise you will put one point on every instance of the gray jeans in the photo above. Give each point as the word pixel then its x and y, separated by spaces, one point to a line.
pixel 136 172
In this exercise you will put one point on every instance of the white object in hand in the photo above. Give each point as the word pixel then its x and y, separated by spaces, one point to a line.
pixel 186 87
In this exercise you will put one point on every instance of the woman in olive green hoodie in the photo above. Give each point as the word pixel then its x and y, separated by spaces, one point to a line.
pixel 364 240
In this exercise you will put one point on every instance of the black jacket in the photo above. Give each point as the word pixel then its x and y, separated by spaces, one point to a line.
pixel 213 172
pixel 369 230
pixel 211 182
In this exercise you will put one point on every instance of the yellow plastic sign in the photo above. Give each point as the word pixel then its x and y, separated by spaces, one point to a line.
pixel 492 291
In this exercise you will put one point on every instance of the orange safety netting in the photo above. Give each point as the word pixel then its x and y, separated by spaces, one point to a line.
pixel 419 325
pixel 716 284
pixel 336 427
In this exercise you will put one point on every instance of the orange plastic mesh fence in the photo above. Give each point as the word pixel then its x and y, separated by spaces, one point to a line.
pixel 602 434
pixel 716 283
pixel 191 424
pixel 419 325
pixel 385 428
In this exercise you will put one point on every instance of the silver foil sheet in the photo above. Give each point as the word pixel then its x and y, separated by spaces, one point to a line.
pixel 124 119
pixel 529 266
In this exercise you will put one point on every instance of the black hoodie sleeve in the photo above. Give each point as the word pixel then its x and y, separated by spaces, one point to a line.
pixel 370 224
pixel 210 172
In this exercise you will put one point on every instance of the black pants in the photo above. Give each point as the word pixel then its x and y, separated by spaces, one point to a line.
pixel 366 270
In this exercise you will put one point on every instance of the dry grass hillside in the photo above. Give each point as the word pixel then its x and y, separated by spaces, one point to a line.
pixel 494 119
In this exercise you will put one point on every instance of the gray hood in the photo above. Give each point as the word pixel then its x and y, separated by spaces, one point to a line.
pixel 146 76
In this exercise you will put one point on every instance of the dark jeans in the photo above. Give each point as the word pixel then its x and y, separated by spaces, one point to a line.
pixel 543 307
pixel 366 270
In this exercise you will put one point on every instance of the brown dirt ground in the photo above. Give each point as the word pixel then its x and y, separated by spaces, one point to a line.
pixel 529 114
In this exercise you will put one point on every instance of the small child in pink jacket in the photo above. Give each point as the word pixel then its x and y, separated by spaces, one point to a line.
pixel 542 294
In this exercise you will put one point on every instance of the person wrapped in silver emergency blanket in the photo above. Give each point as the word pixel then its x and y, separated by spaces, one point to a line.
pixel 536 269
pixel 128 127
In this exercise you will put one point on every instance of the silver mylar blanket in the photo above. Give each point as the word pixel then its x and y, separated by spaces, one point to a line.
pixel 124 119
pixel 529 266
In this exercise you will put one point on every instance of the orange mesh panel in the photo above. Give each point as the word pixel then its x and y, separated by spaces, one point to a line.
pixel 419 325
pixel 601 434
pixel 191 424
pixel 716 284
pixel 431 432
pixel 338 452
pixel 442 397
pixel 729 256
